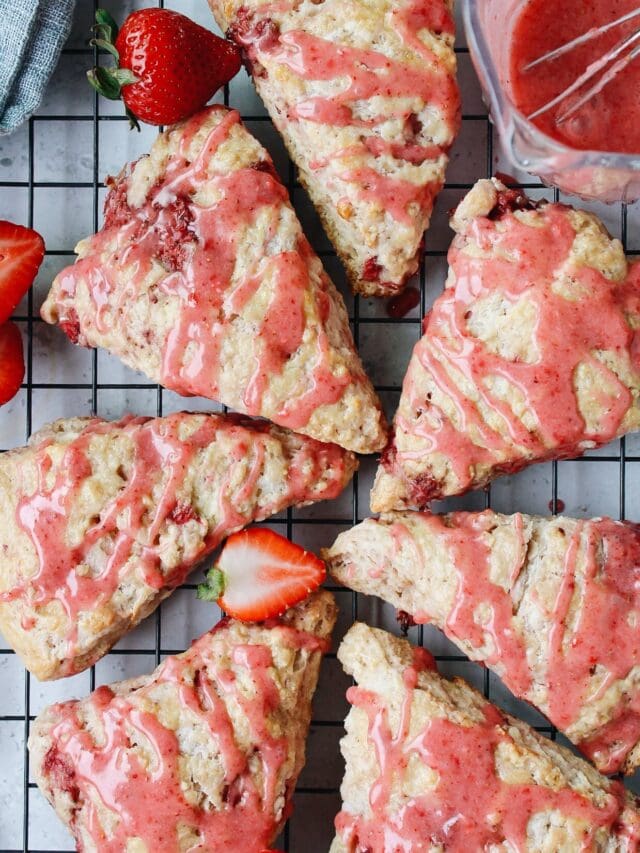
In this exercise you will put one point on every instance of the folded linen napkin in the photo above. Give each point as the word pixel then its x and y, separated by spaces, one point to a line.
pixel 32 33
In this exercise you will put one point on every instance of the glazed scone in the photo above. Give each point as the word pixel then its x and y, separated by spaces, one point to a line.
pixel 99 521
pixel 552 605
pixel 431 765
pixel 530 354
pixel 202 279
pixel 203 754
pixel 364 94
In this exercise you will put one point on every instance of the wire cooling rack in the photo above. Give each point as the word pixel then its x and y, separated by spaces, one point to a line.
pixel 51 174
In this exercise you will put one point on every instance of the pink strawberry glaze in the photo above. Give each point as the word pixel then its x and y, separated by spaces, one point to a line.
pixel 470 807
pixel 282 325
pixel 601 634
pixel 519 261
pixel 44 515
pixel 469 553
pixel 401 199
pixel 409 151
pixel 124 539
pixel 609 747
pixel 369 74
pixel 111 773
pixel 602 637
pixel 201 275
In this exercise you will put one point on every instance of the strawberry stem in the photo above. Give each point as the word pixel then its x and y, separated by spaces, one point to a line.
pixel 134 124
pixel 214 586
pixel 108 82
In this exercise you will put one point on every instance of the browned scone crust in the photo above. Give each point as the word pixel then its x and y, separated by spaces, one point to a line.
pixel 550 604
pixel 507 768
pixel 99 522
pixel 364 95
pixel 530 354
pixel 202 279
pixel 245 805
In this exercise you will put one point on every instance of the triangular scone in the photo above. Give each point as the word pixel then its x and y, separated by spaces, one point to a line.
pixel 202 279
pixel 99 522
pixel 530 354
pixel 365 96
pixel 552 605
pixel 432 765
pixel 203 754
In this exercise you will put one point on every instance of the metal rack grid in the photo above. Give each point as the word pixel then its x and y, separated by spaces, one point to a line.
pixel 604 482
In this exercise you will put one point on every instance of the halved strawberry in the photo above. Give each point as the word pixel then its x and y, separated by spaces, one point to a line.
pixel 261 574
pixel 11 361
pixel 21 253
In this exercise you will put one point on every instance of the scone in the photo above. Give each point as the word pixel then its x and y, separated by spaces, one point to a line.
pixel 364 94
pixel 99 522
pixel 530 354
pixel 202 279
pixel 552 605
pixel 203 754
pixel 431 765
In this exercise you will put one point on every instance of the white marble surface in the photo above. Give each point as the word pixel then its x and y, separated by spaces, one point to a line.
pixel 63 151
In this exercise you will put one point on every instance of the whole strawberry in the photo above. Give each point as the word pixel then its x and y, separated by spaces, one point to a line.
pixel 167 66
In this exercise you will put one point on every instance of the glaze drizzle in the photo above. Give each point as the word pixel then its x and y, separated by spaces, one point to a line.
pixel 139 752
pixel 127 536
pixel 355 86
pixel 188 242
pixel 522 263
pixel 593 642
pixel 469 806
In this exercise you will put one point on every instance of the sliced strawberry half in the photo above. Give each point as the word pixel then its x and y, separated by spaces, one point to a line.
pixel 261 574
pixel 11 361
pixel 21 253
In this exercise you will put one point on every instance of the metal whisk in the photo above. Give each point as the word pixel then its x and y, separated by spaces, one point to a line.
pixel 599 73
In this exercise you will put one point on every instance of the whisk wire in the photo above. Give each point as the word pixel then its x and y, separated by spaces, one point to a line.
pixel 592 71
pixel 621 54
pixel 595 32
pixel 599 85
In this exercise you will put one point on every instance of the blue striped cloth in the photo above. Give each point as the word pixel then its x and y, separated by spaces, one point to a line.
pixel 32 33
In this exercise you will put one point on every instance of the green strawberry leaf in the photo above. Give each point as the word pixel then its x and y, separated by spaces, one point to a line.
pixel 108 82
pixel 105 45
pixel 213 588
pixel 104 82
pixel 105 26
